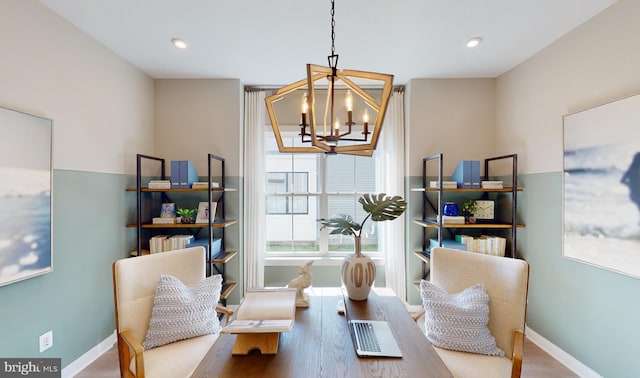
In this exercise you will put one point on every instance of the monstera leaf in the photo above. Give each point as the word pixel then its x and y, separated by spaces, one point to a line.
pixel 343 224
pixel 379 207
pixel 383 208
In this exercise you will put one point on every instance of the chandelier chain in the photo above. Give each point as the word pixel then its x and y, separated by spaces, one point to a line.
pixel 333 29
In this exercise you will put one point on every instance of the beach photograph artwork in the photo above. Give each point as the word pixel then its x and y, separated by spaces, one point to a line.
pixel 601 186
pixel 25 196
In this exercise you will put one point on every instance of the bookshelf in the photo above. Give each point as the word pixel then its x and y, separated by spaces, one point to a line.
pixel 215 227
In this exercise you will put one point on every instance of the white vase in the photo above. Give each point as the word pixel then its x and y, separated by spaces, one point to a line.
pixel 358 273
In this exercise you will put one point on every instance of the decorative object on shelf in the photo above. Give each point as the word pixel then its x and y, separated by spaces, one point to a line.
pixel 186 215
pixel 203 212
pixel 168 210
pixel 358 271
pixel 492 184
pixel 329 85
pixel 445 184
pixel 300 283
pixel 485 210
pixel 159 184
pixel 467 174
pixel 469 208
pixel 450 209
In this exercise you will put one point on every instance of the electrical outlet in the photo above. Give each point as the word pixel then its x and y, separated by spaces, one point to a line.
pixel 46 341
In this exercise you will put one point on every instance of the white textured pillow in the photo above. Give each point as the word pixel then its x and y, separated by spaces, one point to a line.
pixel 180 312
pixel 458 321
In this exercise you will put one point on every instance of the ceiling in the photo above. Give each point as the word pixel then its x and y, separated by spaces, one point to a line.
pixel 268 42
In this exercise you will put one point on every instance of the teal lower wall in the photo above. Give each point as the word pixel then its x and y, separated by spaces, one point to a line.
pixel 589 312
pixel 75 301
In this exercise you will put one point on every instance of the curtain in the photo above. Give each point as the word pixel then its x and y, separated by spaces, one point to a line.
pixel 391 146
pixel 254 213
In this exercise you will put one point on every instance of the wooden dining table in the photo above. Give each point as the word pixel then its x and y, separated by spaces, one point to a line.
pixel 320 345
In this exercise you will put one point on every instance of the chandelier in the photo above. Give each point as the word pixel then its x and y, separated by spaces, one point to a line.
pixel 341 111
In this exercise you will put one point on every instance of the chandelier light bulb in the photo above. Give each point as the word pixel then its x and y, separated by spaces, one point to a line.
pixel 305 104
pixel 349 101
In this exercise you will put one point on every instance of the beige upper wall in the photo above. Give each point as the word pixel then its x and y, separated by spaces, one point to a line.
pixel 452 116
pixel 195 117
pixel 533 97
pixel 101 106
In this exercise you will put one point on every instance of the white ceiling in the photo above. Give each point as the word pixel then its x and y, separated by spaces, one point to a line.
pixel 268 42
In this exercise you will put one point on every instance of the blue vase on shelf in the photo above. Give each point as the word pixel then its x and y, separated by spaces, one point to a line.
pixel 450 209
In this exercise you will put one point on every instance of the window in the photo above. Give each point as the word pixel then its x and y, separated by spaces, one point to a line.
pixel 288 182
pixel 303 188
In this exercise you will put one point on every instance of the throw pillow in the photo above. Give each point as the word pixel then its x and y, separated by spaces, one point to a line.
pixel 458 321
pixel 180 312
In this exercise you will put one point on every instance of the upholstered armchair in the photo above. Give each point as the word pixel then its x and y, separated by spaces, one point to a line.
pixel 135 281
pixel 506 282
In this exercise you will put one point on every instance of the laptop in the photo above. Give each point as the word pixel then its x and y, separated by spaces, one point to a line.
pixel 372 338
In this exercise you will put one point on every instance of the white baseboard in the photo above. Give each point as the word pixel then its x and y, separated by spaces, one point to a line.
pixel 563 357
pixel 83 361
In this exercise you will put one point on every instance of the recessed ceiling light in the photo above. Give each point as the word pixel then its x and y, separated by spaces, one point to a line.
pixel 473 42
pixel 179 43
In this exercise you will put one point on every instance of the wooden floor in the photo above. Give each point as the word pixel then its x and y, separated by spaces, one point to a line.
pixel 536 364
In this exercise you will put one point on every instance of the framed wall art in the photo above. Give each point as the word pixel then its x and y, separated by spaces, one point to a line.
pixel 601 186
pixel 25 196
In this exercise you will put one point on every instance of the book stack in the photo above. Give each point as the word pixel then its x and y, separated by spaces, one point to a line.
pixel 445 184
pixel 204 185
pixel 492 184
pixel 159 184
pixel 163 243
pixel 156 243
pixel 178 242
pixel 489 245
pixel 450 219
pixel 165 220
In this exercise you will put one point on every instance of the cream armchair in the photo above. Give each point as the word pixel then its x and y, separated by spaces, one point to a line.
pixel 134 282
pixel 506 281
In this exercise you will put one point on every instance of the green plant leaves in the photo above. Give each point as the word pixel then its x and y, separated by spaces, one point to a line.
pixel 343 224
pixel 381 207
pixel 186 212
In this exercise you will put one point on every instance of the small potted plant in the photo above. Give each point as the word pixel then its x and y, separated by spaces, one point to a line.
pixel 186 215
pixel 469 208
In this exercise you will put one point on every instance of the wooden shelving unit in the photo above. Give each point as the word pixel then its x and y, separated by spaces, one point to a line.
pixel 215 262
pixel 434 198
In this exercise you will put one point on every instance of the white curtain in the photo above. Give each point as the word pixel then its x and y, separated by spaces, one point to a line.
pixel 254 213
pixel 391 149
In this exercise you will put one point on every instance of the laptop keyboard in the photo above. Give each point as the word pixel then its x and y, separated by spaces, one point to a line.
pixel 366 337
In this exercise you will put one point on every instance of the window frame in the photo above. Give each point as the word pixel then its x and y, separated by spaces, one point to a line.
pixel 287 193
pixel 322 196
